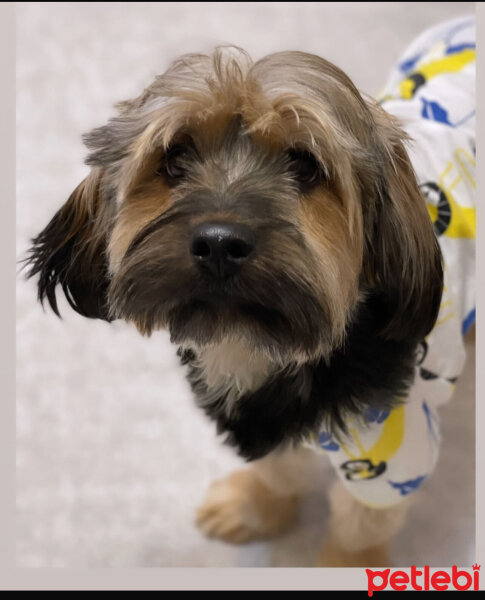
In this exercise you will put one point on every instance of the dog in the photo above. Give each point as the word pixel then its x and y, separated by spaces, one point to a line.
pixel 277 222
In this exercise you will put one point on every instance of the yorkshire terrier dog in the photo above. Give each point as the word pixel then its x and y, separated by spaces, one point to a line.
pixel 270 217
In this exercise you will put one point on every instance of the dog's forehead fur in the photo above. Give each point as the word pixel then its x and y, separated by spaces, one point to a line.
pixel 286 99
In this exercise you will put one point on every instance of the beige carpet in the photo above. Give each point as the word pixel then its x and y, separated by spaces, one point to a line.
pixel 113 458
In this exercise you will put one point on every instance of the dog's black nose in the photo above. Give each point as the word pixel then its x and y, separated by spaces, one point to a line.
pixel 221 248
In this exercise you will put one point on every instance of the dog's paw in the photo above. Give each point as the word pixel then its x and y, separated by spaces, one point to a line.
pixel 240 508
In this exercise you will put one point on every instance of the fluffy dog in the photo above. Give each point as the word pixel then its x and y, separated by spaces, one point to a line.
pixel 267 215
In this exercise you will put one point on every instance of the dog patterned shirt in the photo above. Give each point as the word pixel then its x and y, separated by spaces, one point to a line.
pixel 389 454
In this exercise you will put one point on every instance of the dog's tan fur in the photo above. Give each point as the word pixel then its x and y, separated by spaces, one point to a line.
pixel 326 227
pixel 262 501
pixel 241 508
pixel 144 204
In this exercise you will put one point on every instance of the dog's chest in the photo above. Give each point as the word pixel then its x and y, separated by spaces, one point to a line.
pixel 231 370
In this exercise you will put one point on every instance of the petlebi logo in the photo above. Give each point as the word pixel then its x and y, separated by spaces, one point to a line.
pixel 423 579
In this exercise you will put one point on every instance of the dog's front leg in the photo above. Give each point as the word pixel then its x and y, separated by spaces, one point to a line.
pixel 258 502
pixel 359 535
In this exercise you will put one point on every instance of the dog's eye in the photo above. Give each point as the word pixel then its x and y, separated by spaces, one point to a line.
pixel 305 168
pixel 173 164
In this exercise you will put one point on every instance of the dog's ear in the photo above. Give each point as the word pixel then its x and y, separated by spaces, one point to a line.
pixel 403 264
pixel 70 251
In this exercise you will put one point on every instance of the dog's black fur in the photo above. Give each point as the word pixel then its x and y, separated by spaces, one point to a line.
pixel 368 371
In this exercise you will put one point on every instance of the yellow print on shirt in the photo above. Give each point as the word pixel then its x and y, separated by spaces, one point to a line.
pixel 450 218
pixel 444 64
pixel 367 463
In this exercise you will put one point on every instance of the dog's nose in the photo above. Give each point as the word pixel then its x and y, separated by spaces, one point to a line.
pixel 221 248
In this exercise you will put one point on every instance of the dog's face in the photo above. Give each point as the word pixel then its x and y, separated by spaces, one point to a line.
pixel 255 203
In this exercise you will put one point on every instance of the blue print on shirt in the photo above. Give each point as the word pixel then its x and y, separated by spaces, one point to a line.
pixel 407 487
